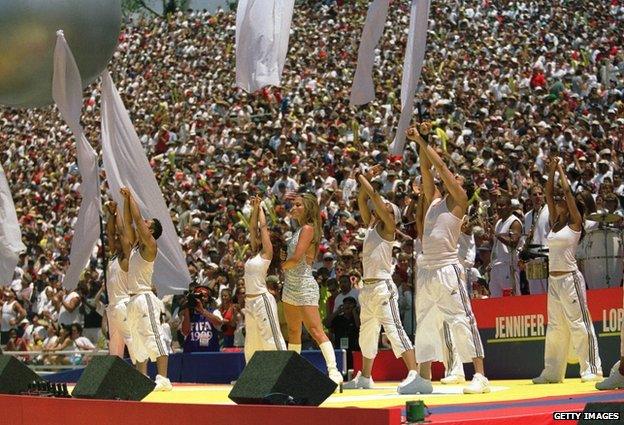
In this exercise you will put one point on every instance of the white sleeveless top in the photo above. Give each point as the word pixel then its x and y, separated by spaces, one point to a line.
pixel 440 236
pixel 140 273
pixel 501 253
pixel 66 317
pixel 117 282
pixel 562 247
pixel 376 256
pixel 256 269
pixel 467 250
pixel 8 313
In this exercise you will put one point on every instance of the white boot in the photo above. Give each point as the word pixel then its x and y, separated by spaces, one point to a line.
pixel 330 359
pixel 162 384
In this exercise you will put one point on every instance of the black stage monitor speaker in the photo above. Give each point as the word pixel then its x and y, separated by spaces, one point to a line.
pixel 109 377
pixel 15 376
pixel 281 377
pixel 602 413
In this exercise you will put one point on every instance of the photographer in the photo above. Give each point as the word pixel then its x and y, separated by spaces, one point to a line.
pixel 344 325
pixel 201 322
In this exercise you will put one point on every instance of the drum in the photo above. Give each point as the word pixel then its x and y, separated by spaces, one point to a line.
pixel 537 269
pixel 600 254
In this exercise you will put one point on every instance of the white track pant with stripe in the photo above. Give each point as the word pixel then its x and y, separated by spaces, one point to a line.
pixel 146 338
pixel 441 298
pixel 118 331
pixel 262 325
pixel 452 362
pixel 379 307
pixel 569 321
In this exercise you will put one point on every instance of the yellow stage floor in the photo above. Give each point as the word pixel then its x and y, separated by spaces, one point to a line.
pixel 384 394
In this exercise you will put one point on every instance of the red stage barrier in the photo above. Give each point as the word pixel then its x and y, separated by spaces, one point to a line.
pixel 26 410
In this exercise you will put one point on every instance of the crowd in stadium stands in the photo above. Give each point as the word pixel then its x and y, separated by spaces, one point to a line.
pixel 506 84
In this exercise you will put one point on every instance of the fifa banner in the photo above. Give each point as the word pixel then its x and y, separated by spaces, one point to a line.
pixel 513 330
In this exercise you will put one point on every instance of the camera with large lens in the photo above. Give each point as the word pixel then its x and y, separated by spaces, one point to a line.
pixel 198 296
pixel 191 299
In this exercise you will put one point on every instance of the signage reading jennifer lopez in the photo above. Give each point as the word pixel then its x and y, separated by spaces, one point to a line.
pixel 525 326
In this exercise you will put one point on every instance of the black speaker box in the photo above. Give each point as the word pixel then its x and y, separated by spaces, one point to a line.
pixel 602 413
pixel 15 375
pixel 281 377
pixel 110 378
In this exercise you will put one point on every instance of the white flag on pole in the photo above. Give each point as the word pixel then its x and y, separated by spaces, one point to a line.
pixel 262 32
pixel 67 93
pixel 10 235
pixel 363 88
pixel 412 67
pixel 126 165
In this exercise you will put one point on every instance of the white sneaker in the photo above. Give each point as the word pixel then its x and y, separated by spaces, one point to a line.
pixel 544 380
pixel 162 384
pixel 453 379
pixel 478 385
pixel 335 375
pixel 359 382
pixel 415 384
pixel 590 377
pixel 614 381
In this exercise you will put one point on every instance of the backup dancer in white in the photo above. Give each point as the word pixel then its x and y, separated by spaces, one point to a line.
pixel 379 296
pixel 147 341
pixel 301 292
pixel 568 316
pixel 261 320
pixel 441 295
pixel 453 367
pixel 467 251
pixel 616 377
pixel 505 273
pixel 117 282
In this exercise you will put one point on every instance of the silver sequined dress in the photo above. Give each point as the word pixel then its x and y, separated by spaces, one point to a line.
pixel 300 287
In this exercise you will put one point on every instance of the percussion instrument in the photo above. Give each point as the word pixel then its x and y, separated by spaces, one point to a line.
pixel 601 253
pixel 537 269
pixel 605 218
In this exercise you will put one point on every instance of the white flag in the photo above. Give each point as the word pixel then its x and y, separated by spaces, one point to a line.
pixel 262 32
pixel 126 165
pixel 10 235
pixel 412 66
pixel 363 88
pixel 67 93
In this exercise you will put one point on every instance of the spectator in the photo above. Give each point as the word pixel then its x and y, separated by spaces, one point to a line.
pixel 12 314
pixel 17 343
pixel 228 312
pixel 347 289
pixel 201 323
pixel 344 325
pixel 69 312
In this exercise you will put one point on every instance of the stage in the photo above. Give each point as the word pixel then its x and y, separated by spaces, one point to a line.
pixel 510 402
